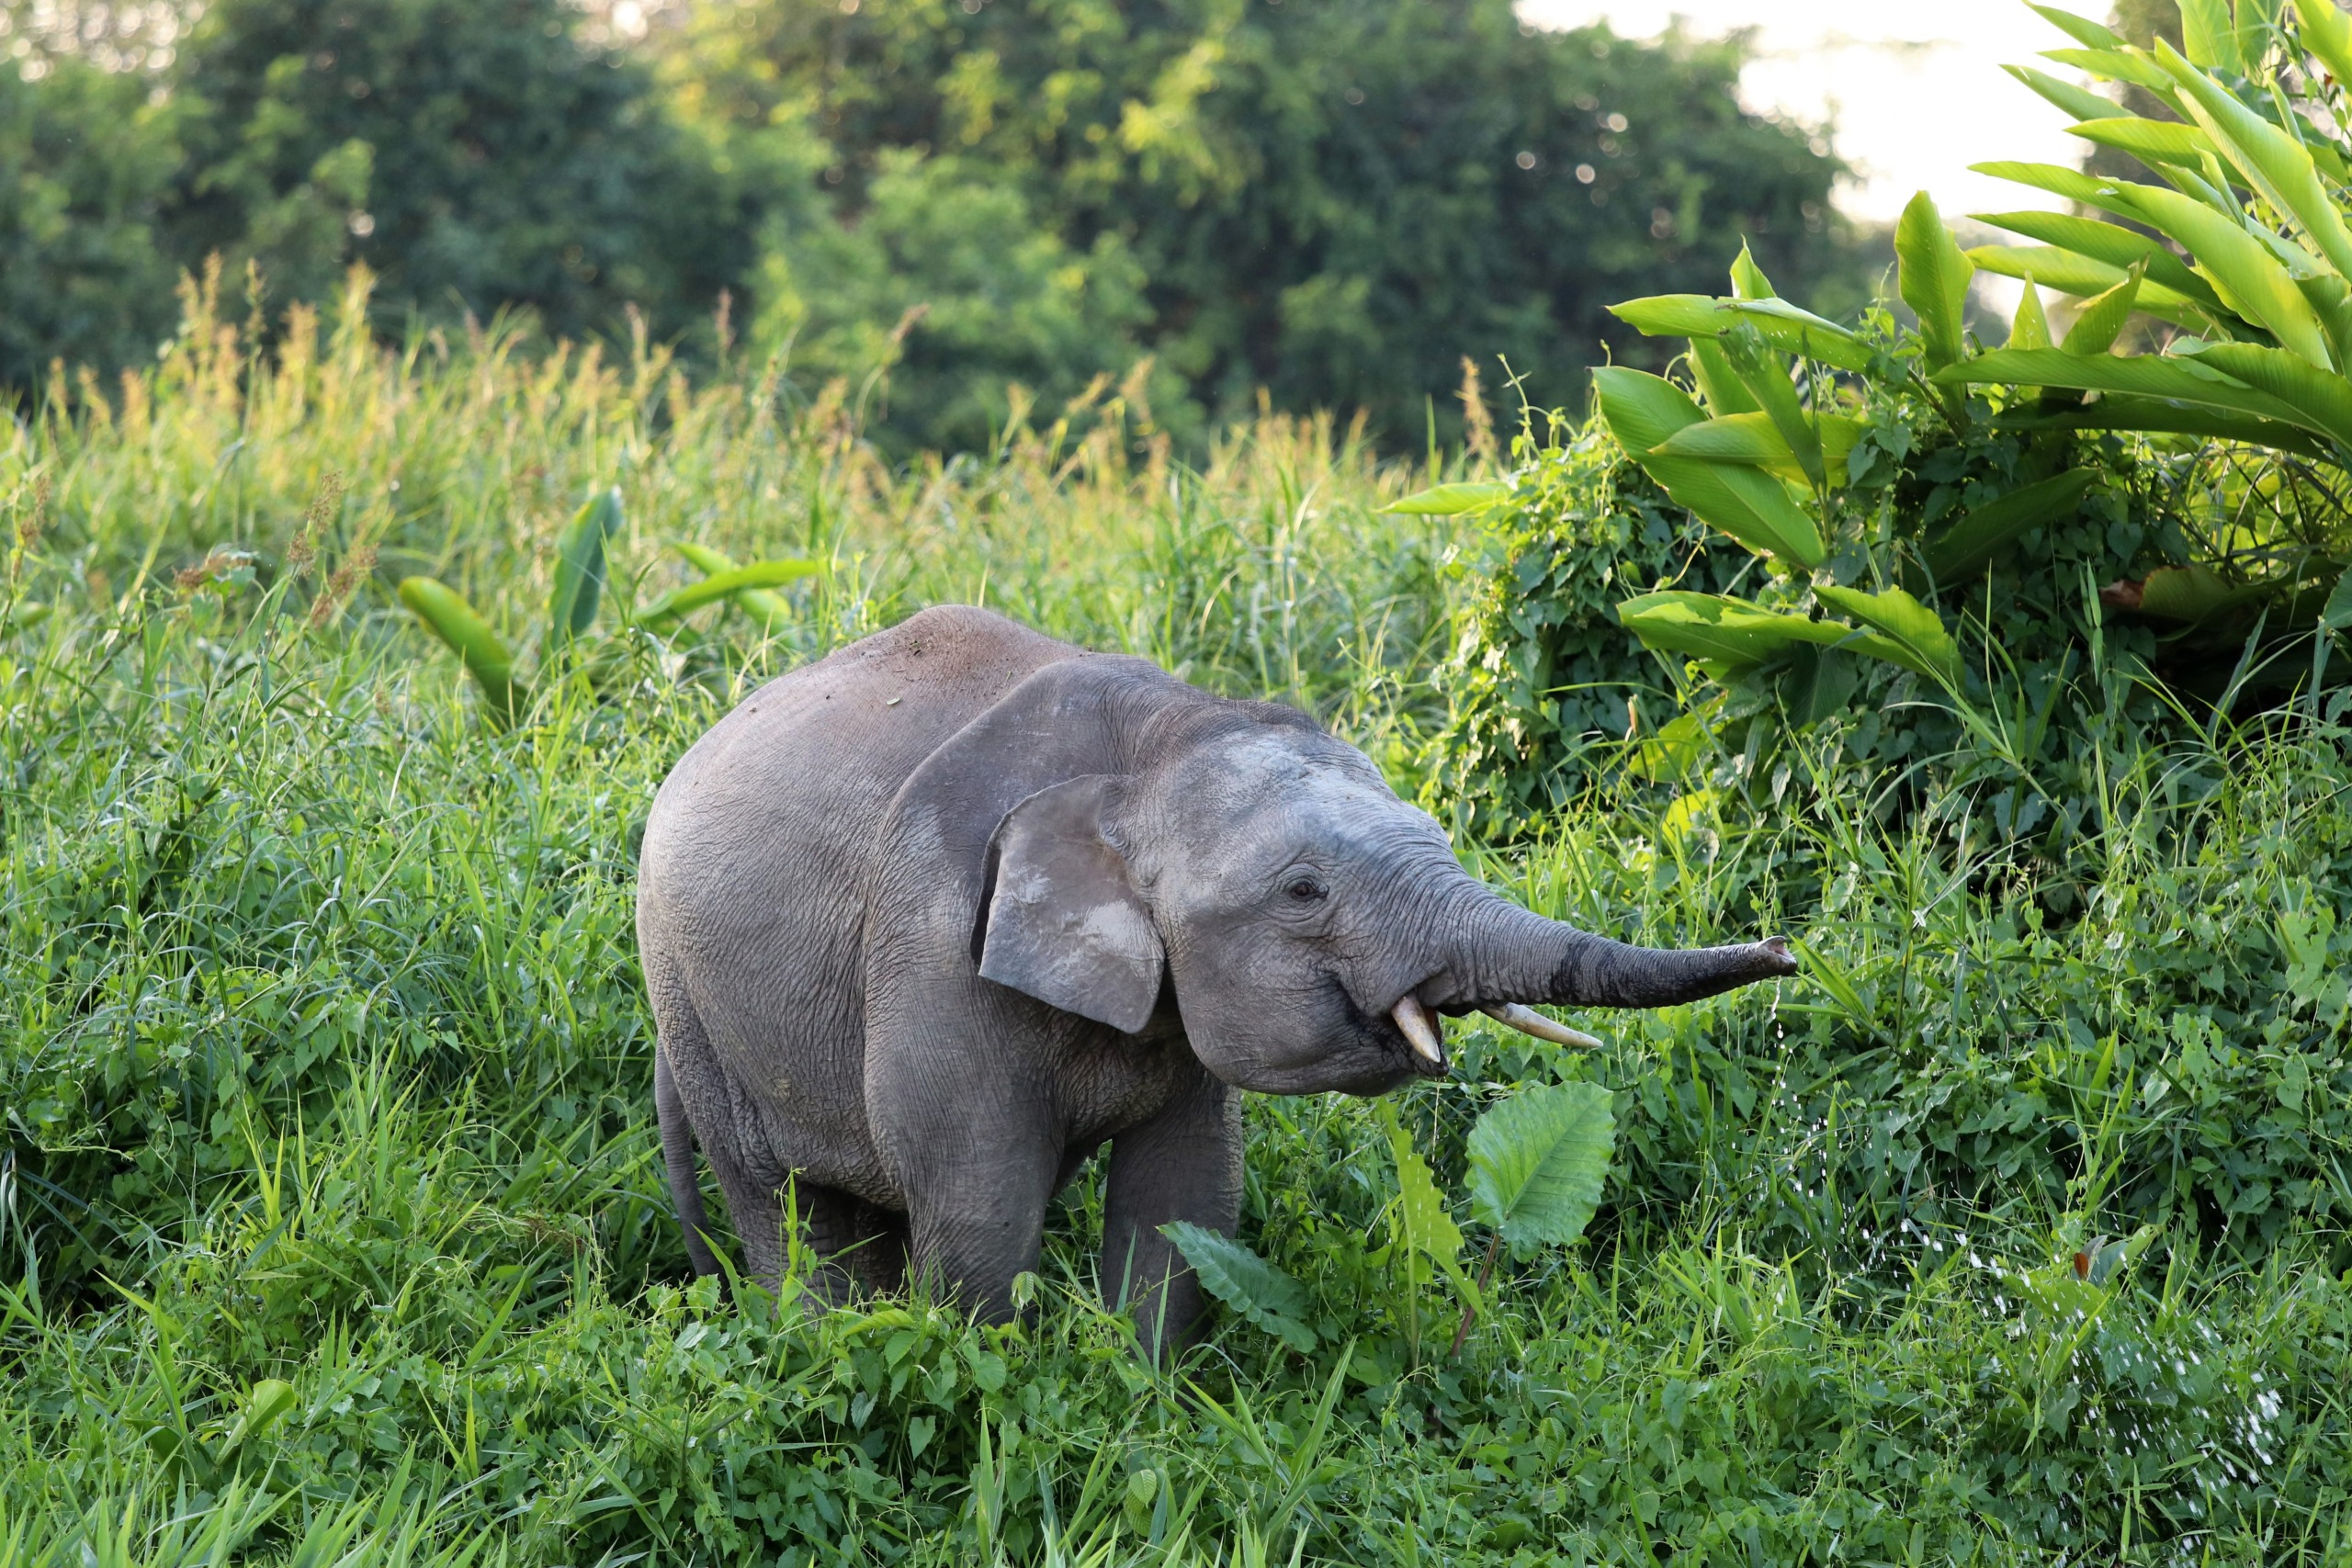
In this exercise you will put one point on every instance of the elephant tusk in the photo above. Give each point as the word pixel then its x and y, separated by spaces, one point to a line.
pixel 1419 1029
pixel 1527 1020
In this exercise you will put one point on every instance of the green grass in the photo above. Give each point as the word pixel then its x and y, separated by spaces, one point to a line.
pixel 331 1229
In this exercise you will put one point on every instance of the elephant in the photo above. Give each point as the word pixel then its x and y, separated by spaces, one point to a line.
pixel 927 923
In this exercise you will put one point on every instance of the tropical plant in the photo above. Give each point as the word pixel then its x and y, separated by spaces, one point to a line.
pixel 2237 248
pixel 580 581
pixel 1537 1161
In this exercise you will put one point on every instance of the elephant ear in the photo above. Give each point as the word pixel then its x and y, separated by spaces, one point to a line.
pixel 1064 922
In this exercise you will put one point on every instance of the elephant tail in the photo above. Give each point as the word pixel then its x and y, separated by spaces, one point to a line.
pixel 678 1159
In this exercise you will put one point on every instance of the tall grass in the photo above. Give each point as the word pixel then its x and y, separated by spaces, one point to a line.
pixel 330 1224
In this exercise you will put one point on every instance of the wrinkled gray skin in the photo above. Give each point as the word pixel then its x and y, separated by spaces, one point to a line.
pixel 928 923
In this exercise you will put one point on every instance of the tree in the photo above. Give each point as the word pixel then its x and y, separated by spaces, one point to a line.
pixel 1332 199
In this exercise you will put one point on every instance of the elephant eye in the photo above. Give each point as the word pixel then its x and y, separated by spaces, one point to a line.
pixel 1306 889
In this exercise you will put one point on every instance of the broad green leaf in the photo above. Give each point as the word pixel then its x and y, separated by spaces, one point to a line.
pixel 2071 272
pixel 1537 1161
pixel 2029 327
pixel 2108 242
pixel 1818 684
pixel 1915 633
pixel 683 602
pixel 1970 545
pixel 450 618
pixel 2206 33
pixel 1781 325
pixel 2323 397
pixel 1754 438
pixel 2101 321
pixel 2149 376
pixel 1933 279
pixel 1246 1282
pixel 1421 1214
pixel 580 567
pixel 1642 411
pixel 1729 633
pixel 2117 65
pixel 2327 33
pixel 2079 102
pixel 2091 190
pixel 2272 161
pixel 2150 141
pixel 2338 613
pixel 1718 382
pixel 762 605
pixel 2158 416
pixel 2080 28
pixel 1766 377
pixel 2186 594
pixel 2249 276
pixel 1748 279
pixel 1452 499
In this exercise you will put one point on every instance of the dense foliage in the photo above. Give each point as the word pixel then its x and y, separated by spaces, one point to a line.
pixel 329 1207
pixel 1335 202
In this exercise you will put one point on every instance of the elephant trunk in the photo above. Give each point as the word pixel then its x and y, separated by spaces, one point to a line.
pixel 1504 954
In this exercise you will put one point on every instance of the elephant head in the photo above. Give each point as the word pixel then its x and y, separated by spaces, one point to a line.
pixel 1309 924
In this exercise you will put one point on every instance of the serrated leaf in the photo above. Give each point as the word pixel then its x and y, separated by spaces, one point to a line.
pixel 1451 499
pixel 1246 1282
pixel 1537 1161
pixel 580 567
pixel 1969 543
pixel 1421 1214
pixel 1913 634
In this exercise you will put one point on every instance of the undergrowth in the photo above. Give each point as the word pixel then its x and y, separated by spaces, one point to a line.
pixel 331 1227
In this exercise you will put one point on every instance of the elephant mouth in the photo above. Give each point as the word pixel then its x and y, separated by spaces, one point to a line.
pixel 1386 1032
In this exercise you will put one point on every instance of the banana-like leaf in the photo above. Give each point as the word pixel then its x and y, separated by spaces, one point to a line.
pixel 1451 499
pixel 680 603
pixel 2101 321
pixel 1933 279
pixel 1781 325
pixel 2158 416
pixel 2029 327
pixel 766 607
pixel 2070 272
pixel 2249 276
pixel 1970 545
pixel 1642 411
pixel 580 567
pixel 2090 190
pixel 2327 33
pixel 1915 635
pixel 1766 377
pixel 1537 1161
pixel 1723 633
pixel 2147 376
pixel 2211 42
pixel 2274 163
pixel 2111 243
pixel 2079 102
pixel 446 614
pixel 1754 438
pixel 2325 397
pixel 2081 30
pixel 2117 65
pixel 1718 382
pixel 1246 1282
pixel 2150 141
pixel 1748 279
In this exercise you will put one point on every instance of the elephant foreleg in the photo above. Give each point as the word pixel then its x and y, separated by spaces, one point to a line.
pixel 1183 1164
pixel 976 1191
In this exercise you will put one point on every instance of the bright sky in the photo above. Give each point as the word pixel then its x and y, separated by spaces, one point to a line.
pixel 1915 88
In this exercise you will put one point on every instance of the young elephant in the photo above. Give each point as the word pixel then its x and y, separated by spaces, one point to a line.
pixel 929 921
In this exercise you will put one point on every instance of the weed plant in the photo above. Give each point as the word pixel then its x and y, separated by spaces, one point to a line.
pixel 331 1227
